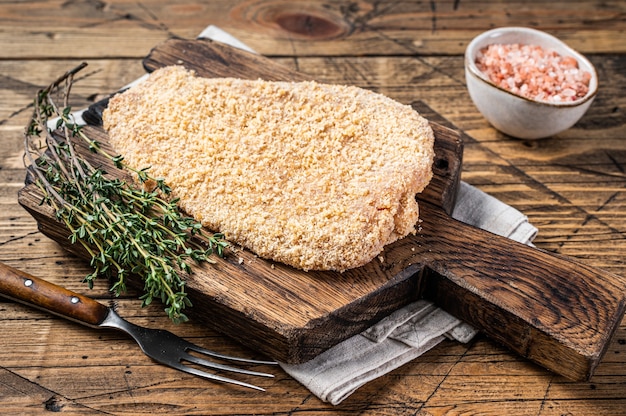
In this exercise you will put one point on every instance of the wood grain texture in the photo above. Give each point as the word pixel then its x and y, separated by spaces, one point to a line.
pixel 297 28
pixel 481 278
pixel 481 377
pixel 550 309
pixel 570 186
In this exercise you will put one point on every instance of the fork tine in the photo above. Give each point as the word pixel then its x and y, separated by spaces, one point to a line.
pixel 225 357
pixel 214 377
pixel 169 349
pixel 217 366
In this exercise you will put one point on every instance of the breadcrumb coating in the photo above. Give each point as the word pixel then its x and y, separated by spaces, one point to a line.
pixel 316 176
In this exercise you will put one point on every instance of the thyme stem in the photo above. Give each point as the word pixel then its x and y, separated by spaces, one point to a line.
pixel 124 228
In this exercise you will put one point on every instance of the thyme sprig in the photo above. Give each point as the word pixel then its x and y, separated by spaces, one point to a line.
pixel 126 229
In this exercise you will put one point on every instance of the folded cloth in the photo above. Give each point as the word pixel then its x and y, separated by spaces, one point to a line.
pixel 413 330
pixel 484 211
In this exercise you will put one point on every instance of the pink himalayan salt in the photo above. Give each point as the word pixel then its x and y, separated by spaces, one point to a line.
pixel 534 72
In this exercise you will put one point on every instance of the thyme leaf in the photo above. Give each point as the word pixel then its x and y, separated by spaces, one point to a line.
pixel 126 229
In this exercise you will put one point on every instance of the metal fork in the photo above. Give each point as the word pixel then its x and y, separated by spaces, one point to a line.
pixel 160 345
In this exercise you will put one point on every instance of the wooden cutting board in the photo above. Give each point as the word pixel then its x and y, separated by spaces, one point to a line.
pixel 553 310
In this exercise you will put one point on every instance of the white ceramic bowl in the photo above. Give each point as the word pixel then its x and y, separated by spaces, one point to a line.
pixel 515 115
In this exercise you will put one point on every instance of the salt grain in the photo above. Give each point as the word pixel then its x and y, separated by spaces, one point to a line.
pixel 534 72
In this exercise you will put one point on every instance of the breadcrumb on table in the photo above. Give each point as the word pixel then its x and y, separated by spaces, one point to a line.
pixel 316 176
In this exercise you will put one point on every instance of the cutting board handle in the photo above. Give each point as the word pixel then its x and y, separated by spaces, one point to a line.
pixel 553 310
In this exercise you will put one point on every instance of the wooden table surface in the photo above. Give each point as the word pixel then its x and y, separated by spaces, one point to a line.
pixel 571 186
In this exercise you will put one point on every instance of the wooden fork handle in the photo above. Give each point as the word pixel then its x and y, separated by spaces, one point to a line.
pixel 32 291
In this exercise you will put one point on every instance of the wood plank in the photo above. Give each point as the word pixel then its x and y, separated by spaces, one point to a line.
pixel 19 395
pixel 126 29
